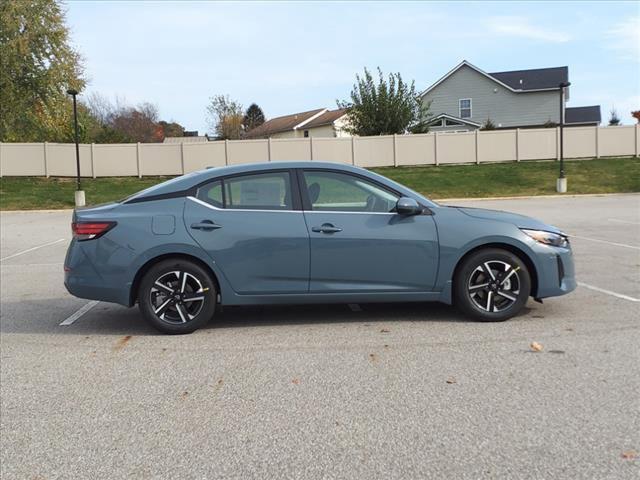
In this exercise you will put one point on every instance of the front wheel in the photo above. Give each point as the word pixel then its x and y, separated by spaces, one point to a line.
pixel 492 285
pixel 177 296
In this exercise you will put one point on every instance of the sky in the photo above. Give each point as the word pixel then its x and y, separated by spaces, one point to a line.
pixel 295 56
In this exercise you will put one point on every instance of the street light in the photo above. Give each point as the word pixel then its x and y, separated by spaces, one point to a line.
pixel 79 194
pixel 561 183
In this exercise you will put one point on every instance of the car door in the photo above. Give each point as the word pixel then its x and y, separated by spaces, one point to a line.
pixel 358 244
pixel 252 226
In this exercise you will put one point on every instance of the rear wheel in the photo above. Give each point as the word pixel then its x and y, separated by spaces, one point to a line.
pixel 177 296
pixel 492 285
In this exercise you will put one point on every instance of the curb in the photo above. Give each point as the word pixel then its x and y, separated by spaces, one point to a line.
pixel 533 197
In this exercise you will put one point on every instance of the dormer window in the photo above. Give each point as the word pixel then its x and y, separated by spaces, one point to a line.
pixel 465 107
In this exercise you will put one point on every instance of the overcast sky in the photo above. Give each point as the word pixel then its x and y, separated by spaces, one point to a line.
pixel 296 56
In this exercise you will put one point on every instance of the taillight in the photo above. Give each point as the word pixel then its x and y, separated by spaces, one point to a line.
pixel 90 230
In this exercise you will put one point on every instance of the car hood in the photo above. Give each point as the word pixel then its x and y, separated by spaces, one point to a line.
pixel 520 221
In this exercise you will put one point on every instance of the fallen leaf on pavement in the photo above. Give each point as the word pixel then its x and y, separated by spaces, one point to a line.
pixel 629 455
pixel 536 347
pixel 451 380
pixel 384 330
pixel 296 381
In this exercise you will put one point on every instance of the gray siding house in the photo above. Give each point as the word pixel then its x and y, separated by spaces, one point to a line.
pixel 466 98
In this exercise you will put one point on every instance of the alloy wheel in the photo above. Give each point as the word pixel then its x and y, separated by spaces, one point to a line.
pixel 494 286
pixel 177 297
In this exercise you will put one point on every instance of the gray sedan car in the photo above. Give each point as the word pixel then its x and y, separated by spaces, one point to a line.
pixel 306 232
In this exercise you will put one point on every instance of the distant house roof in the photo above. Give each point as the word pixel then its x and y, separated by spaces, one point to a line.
pixel 187 139
pixel 535 79
pixel 586 115
pixel 284 123
pixel 327 118
pixel 532 80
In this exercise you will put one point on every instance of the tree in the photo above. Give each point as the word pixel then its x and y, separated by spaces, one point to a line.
pixel 37 66
pixel 225 117
pixel 488 125
pixel 384 107
pixel 253 117
pixel 120 123
pixel 614 119
pixel 636 114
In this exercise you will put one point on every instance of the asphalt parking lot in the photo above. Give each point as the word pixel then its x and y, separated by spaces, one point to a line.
pixel 380 391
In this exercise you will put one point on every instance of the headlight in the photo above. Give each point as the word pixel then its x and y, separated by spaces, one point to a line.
pixel 548 238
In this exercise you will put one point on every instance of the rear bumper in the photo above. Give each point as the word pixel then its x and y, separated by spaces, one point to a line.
pixel 556 272
pixel 82 280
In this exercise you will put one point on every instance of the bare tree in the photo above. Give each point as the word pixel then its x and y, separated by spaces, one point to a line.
pixel 225 117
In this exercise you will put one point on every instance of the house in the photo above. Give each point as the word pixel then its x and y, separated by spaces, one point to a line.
pixel 466 98
pixel 321 122
pixel 189 136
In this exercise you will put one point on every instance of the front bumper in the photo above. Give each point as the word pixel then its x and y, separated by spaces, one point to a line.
pixel 556 271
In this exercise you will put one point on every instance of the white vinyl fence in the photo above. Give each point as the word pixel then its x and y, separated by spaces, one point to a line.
pixel 107 160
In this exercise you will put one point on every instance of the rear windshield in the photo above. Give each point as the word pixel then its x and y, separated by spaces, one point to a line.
pixel 159 186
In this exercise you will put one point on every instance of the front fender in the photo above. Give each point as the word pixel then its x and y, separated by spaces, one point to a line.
pixel 451 258
pixel 459 234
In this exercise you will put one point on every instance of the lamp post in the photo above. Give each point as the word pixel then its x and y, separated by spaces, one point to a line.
pixel 561 182
pixel 79 194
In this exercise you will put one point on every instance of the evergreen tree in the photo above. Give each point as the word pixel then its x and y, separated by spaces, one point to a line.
pixel 253 117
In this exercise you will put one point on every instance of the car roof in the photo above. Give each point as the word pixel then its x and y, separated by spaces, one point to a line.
pixel 251 167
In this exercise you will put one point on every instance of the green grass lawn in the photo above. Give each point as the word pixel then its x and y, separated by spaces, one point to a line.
pixel 611 175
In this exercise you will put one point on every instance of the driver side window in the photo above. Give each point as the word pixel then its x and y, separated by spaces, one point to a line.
pixel 341 192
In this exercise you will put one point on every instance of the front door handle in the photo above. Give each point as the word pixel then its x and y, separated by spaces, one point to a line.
pixel 205 225
pixel 326 228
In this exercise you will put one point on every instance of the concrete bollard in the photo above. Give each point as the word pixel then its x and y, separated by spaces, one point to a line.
pixel 561 185
pixel 80 200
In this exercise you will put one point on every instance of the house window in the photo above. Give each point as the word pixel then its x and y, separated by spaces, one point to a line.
pixel 465 107
pixel 306 133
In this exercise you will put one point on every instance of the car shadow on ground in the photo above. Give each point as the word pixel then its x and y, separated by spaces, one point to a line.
pixel 38 316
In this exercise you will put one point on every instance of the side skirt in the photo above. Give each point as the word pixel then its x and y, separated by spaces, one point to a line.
pixel 319 298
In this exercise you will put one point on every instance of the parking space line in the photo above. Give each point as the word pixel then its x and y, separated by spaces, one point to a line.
pixel 31 250
pixel 623 221
pixel 609 292
pixel 605 241
pixel 79 313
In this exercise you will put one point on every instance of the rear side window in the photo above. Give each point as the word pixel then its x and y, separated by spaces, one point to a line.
pixel 262 191
pixel 212 194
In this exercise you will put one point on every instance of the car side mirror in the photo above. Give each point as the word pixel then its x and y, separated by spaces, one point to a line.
pixel 408 206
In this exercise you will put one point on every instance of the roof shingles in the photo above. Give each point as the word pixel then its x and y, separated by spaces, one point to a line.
pixel 535 79
pixel 281 124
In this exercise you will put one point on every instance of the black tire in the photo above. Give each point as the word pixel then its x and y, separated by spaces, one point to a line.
pixel 182 292
pixel 507 290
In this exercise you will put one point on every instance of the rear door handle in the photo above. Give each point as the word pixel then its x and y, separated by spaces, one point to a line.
pixel 326 228
pixel 205 225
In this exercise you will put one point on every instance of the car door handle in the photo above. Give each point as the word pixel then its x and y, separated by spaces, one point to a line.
pixel 326 228
pixel 205 225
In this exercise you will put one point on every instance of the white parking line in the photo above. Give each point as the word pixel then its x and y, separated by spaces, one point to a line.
pixel 609 292
pixel 79 313
pixel 31 250
pixel 623 221
pixel 605 241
